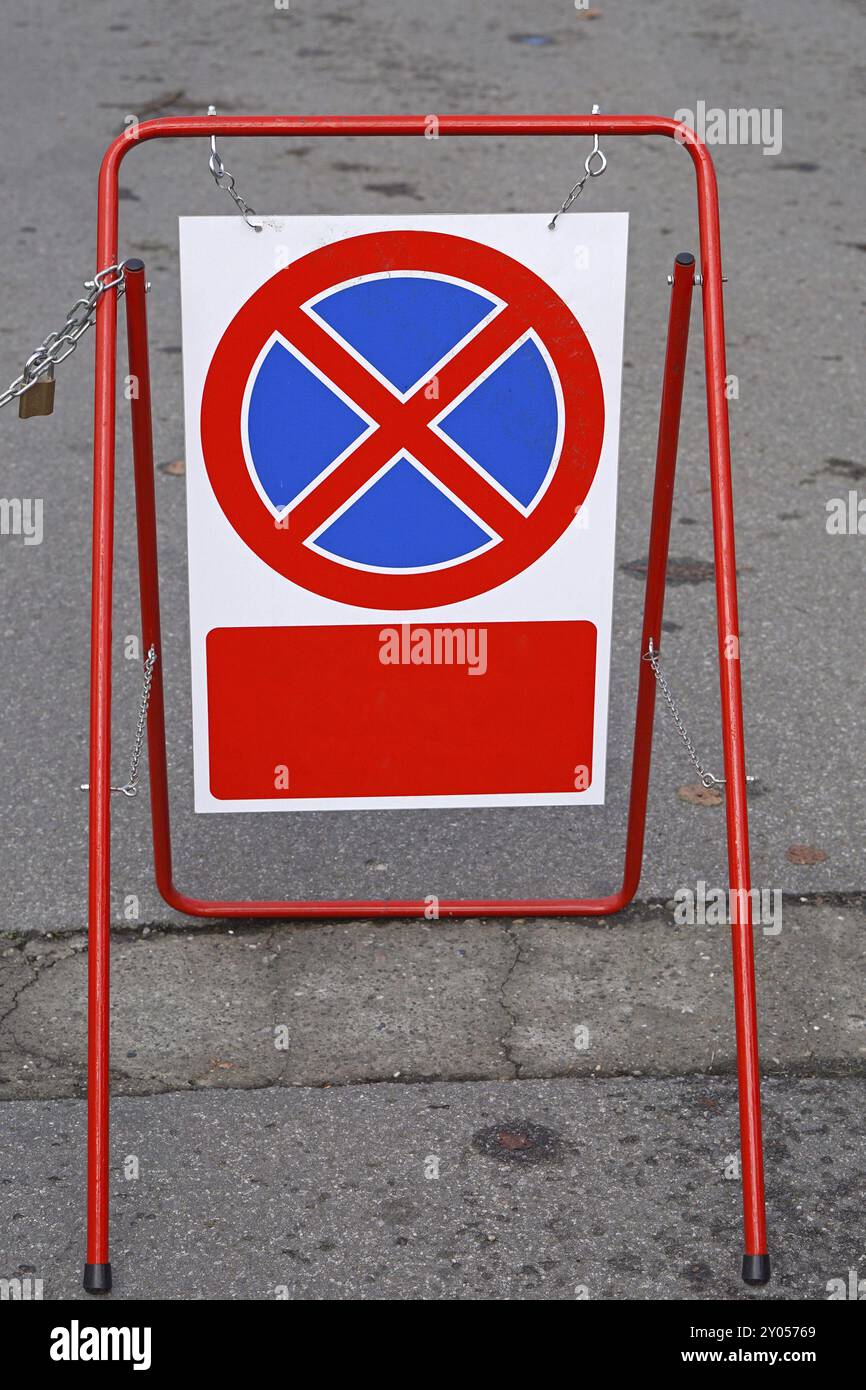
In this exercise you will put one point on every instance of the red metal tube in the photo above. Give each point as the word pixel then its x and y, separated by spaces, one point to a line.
pixel 745 1009
pixel 669 421
pixel 148 565
pixel 657 559
pixel 97 1271
pixel 343 909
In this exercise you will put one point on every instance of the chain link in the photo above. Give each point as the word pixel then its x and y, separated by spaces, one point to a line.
pixel 706 777
pixel 223 179
pixel 130 786
pixel 57 346
pixel 596 153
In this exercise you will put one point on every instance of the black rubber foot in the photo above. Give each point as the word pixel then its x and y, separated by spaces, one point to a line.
pixel 97 1278
pixel 756 1269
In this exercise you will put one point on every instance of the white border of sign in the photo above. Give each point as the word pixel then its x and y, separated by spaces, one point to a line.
pixel 222 264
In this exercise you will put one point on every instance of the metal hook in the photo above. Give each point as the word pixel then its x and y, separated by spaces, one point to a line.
pixel 589 173
pixel 223 179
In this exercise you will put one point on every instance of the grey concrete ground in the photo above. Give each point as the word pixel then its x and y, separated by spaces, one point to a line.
pixel 633 1203
pixel 304 1164
pixel 358 1002
pixel 559 1189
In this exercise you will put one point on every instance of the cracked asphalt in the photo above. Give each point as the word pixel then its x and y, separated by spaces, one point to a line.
pixel 283 1090
pixel 278 1092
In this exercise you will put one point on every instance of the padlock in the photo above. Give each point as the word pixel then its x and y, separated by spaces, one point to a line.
pixel 38 399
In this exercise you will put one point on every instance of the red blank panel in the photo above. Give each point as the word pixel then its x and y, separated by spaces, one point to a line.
pixel 409 710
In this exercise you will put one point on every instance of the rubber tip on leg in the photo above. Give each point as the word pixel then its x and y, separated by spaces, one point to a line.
pixel 756 1269
pixel 97 1278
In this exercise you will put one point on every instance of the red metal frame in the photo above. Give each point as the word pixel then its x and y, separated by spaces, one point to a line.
pixel 98 1270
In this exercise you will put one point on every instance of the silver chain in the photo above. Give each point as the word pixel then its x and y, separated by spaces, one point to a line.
pixel 57 346
pixel 130 786
pixel 595 154
pixel 706 777
pixel 223 179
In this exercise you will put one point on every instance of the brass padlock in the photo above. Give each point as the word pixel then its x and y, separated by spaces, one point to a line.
pixel 38 399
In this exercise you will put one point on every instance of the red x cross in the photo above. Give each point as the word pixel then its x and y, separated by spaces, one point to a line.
pixel 403 424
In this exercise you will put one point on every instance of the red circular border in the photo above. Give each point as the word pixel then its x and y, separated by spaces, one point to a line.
pixel 490 270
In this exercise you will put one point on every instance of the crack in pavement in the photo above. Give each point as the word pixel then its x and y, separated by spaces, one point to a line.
pixel 38 966
pixel 513 1018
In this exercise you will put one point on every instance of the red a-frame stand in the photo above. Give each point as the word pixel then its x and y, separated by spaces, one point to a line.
pixel 97 1274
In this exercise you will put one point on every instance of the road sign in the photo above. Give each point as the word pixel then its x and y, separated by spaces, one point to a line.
pixel 402 404
pixel 401 426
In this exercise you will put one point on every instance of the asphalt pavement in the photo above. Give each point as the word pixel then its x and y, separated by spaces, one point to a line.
pixel 521 1190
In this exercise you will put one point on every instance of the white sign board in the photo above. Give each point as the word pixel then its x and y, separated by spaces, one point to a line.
pixel 401 460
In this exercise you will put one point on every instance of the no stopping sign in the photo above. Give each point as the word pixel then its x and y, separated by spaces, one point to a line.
pixel 401 484
pixel 402 419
